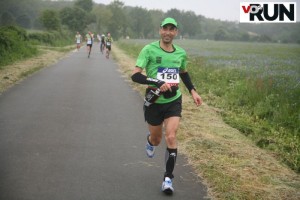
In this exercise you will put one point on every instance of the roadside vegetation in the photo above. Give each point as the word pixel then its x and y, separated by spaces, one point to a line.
pixel 13 73
pixel 25 52
pixel 17 44
pixel 14 45
pixel 254 88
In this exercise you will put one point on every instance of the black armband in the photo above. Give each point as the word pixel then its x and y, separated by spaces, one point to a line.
pixel 142 79
pixel 186 79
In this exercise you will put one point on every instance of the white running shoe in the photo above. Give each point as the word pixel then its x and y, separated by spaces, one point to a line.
pixel 167 186
pixel 149 148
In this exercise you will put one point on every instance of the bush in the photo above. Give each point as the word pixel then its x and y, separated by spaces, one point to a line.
pixel 14 45
pixel 52 38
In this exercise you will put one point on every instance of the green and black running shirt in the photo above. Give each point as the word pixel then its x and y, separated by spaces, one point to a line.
pixel 163 65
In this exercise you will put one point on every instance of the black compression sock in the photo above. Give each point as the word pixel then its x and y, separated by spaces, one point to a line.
pixel 171 155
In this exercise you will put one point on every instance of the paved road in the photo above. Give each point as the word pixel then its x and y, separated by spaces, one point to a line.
pixel 75 131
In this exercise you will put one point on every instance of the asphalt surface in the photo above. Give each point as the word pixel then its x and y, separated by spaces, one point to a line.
pixel 75 131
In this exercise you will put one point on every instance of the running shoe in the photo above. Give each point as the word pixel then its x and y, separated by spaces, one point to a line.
pixel 167 186
pixel 149 149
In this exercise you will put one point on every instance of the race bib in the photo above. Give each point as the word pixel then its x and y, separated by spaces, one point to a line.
pixel 89 41
pixel 108 43
pixel 169 75
pixel 78 40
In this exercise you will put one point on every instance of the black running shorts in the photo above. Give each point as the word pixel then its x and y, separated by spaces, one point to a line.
pixel 156 113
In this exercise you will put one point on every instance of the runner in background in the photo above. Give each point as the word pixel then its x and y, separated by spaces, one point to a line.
pixel 78 39
pixel 89 42
pixel 108 43
pixel 102 43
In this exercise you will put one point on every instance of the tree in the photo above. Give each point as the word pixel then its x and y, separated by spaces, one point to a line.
pixel 117 25
pixel 50 20
pixel 245 37
pixel 220 34
pixel 102 16
pixel 141 22
pixel 24 21
pixel 74 18
pixel 86 5
pixel 7 19
pixel 156 18
pixel 190 24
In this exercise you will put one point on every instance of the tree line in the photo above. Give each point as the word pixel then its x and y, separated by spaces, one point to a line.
pixel 134 22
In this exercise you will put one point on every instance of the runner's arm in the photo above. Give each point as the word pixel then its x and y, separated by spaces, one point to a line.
pixel 138 77
pixel 185 77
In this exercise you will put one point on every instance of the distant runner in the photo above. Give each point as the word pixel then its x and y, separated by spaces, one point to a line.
pixel 89 42
pixel 102 43
pixel 78 39
pixel 108 43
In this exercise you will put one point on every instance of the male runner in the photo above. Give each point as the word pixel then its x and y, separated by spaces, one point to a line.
pixel 108 42
pixel 89 42
pixel 164 63
pixel 102 43
pixel 78 39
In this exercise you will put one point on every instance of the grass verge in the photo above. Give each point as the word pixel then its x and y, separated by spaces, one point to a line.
pixel 12 74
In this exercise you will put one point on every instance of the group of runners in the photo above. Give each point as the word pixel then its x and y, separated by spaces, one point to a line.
pixel 105 42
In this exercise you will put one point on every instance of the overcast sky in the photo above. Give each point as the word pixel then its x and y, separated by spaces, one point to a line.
pixel 217 9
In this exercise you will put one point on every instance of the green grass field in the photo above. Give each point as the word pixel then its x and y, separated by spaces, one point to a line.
pixel 255 85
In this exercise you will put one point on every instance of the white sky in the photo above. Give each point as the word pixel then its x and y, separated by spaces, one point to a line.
pixel 217 9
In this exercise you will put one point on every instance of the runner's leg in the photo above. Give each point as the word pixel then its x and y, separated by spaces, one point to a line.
pixel 155 134
pixel 153 139
pixel 171 126
pixel 89 50
pixel 106 52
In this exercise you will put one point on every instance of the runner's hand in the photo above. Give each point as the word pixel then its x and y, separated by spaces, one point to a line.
pixel 165 87
pixel 197 99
